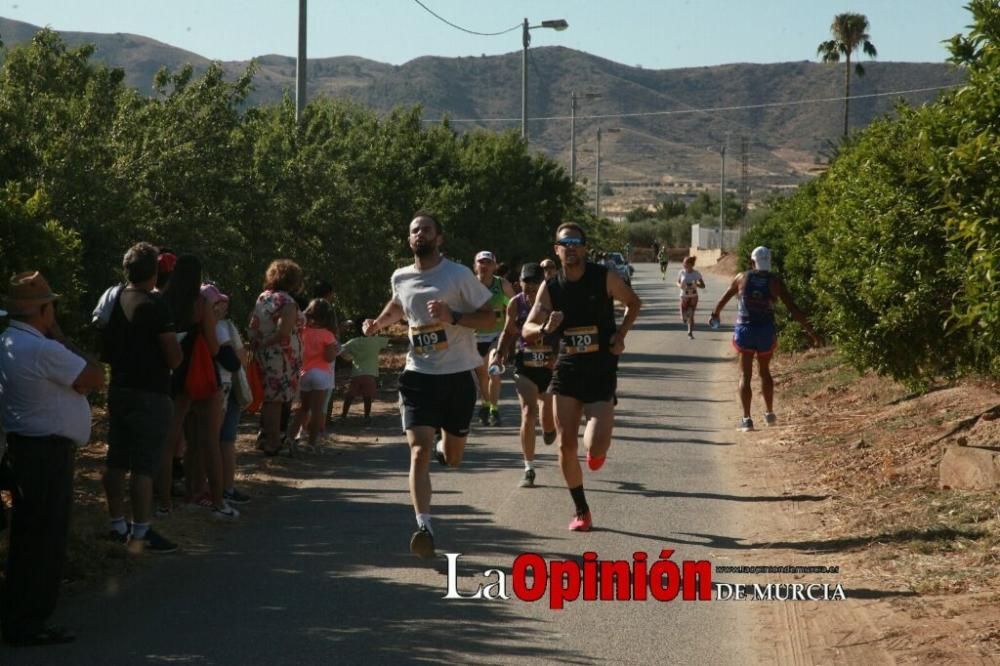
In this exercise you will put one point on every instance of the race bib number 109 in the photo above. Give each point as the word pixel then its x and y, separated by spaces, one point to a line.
pixel 429 338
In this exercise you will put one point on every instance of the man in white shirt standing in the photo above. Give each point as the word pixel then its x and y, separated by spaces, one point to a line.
pixel 444 303
pixel 43 383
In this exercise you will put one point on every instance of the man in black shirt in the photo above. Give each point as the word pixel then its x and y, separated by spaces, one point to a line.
pixel 578 305
pixel 142 348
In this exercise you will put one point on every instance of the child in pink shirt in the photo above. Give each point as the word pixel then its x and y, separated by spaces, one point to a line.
pixel 319 349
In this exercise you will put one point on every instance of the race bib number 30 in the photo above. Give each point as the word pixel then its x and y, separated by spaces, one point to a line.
pixel 537 356
pixel 429 338
pixel 580 340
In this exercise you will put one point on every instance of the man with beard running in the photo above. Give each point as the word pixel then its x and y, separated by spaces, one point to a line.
pixel 578 307
pixel 533 369
pixel 444 303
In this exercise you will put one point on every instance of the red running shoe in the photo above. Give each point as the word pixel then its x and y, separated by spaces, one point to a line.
pixel 595 463
pixel 581 523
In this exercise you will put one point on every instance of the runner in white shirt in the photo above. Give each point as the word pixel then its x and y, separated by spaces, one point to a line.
pixel 689 281
pixel 444 303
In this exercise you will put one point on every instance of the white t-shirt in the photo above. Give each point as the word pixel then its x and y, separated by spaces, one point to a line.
pixel 689 282
pixel 36 386
pixel 438 348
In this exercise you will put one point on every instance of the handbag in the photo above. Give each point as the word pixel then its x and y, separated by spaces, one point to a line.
pixel 255 378
pixel 201 381
pixel 241 389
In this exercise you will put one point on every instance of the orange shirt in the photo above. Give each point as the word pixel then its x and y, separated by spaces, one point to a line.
pixel 314 343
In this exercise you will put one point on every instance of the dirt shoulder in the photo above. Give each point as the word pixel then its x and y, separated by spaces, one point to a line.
pixel 849 479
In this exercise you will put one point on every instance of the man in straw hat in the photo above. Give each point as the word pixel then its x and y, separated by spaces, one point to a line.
pixel 43 382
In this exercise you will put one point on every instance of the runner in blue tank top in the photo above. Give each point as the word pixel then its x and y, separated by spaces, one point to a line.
pixel 754 334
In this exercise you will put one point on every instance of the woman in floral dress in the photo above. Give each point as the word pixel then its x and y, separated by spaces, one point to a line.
pixel 277 345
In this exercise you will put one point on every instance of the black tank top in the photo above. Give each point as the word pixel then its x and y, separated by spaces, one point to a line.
pixel 584 303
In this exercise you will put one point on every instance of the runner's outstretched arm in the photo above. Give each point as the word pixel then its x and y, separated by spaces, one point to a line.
pixel 541 315
pixel 391 313
pixel 734 289
pixel 508 336
pixel 778 289
pixel 623 293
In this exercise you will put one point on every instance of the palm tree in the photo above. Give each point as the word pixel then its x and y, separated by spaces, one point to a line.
pixel 849 31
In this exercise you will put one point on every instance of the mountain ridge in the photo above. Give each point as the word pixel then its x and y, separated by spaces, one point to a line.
pixel 676 143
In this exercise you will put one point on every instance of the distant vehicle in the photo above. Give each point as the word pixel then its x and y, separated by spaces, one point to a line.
pixel 616 261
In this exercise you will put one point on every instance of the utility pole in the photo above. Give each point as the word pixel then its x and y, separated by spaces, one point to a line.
pixel 300 65
pixel 597 180
pixel 525 41
pixel 722 198
pixel 745 184
pixel 572 140
pixel 572 129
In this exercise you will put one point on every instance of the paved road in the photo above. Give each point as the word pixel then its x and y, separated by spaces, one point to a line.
pixel 322 574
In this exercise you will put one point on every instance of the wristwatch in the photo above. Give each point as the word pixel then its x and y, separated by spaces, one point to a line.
pixel 455 318
pixel 542 329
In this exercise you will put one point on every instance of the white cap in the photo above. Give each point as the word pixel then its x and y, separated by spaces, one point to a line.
pixel 761 258
pixel 486 255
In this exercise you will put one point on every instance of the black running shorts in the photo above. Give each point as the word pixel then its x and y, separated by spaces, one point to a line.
pixel 541 377
pixel 593 380
pixel 438 401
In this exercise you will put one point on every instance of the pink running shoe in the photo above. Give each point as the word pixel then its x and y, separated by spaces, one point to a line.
pixel 582 523
pixel 595 463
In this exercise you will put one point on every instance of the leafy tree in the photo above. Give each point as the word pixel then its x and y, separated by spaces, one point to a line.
pixel 850 32
pixel 966 152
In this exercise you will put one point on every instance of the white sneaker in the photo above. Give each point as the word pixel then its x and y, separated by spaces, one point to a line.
pixel 225 512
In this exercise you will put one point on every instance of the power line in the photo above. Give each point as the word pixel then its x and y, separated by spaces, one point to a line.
pixel 458 27
pixel 711 109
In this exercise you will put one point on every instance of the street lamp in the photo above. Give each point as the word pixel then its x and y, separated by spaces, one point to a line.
pixel 555 24
pixel 572 130
pixel 597 198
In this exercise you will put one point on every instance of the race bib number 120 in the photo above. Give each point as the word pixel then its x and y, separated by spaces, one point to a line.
pixel 580 340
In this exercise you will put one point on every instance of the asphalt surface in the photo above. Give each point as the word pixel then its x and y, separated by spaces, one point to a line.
pixel 322 573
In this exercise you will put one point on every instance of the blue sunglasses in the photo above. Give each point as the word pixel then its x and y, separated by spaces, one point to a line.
pixel 570 241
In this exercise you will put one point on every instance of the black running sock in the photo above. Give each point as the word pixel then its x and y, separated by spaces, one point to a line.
pixel 579 500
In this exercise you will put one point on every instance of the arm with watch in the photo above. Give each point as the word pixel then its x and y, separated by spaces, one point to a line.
pixel 542 320
pixel 481 318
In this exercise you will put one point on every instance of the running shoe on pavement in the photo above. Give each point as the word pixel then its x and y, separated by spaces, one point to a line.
pixel 595 462
pixel 422 543
pixel 528 480
pixel 582 523
pixel 484 415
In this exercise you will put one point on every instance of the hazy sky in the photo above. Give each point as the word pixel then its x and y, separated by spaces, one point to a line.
pixel 660 34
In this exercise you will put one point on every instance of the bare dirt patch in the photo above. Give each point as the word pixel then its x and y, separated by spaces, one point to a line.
pixel 857 456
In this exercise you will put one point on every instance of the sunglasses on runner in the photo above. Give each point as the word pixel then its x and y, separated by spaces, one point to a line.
pixel 570 241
